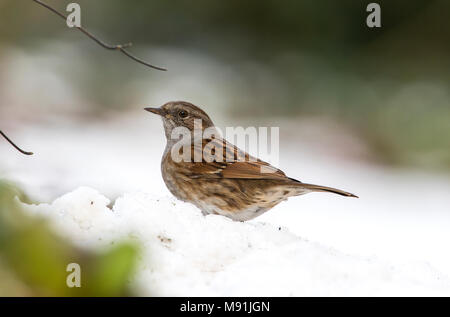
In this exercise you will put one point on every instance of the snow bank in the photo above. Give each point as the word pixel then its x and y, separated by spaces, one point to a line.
pixel 186 254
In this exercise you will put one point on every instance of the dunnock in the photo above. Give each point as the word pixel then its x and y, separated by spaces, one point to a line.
pixel 225 180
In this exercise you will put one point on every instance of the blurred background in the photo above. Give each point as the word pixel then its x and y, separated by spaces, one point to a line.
pixel 366 110
pixel 388 86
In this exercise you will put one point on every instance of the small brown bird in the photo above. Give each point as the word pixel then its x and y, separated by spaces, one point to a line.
pixel 231 183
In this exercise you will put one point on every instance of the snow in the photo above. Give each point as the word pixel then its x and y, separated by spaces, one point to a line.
pixel 393 240
pixel 187 254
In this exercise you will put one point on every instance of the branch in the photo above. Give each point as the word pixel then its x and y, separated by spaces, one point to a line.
pixel 119 47
pixel 14 145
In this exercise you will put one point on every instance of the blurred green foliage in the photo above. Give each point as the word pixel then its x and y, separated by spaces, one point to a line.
pixel 391 84
pixel 257 28
pixel 33 259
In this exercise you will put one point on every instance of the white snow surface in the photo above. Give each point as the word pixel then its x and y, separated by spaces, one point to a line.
pixel 184 253
pixel 392 241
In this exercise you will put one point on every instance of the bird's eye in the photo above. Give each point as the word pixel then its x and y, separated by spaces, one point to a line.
pixel 182 114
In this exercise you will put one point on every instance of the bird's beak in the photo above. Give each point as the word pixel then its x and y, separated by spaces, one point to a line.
pixel 157 111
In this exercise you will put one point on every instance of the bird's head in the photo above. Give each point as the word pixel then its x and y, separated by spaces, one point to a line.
pixel 181 114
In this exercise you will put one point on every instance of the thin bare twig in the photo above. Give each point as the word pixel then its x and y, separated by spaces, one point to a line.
pixel 14 145
pixel 119 47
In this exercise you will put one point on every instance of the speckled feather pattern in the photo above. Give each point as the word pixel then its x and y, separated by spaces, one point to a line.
pixel 231 184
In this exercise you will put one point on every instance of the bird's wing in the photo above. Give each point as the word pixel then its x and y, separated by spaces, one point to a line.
pixel 229 162
pixel 221 159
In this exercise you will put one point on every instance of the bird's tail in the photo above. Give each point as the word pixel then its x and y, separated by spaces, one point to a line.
pixel 318 188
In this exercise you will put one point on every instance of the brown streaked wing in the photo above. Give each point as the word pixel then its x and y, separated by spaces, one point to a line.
pixel 232 164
